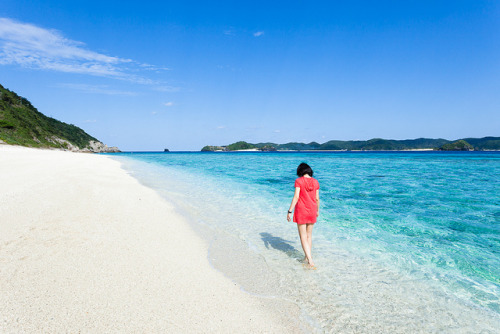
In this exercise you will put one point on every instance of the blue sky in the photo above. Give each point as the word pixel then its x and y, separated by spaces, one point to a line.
pixel 181 75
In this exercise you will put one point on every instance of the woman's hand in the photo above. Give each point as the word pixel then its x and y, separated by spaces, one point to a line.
pixel 288 217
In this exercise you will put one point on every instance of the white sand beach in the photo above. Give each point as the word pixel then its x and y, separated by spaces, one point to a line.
pixel 84 247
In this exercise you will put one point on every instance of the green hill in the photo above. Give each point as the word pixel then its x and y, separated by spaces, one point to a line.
pixel 22 124
pixel 486 143
pixel 376 144
pixel 379 144
pixel 209 148
pixel 299 146
pixel 459 145
pixel 241 145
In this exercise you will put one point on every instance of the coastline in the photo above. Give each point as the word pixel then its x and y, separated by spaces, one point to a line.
pixel 85 246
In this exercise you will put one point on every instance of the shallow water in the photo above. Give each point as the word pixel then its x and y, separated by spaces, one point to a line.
pixel 404 241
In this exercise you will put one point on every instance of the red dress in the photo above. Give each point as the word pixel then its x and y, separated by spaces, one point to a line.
pixel 306 208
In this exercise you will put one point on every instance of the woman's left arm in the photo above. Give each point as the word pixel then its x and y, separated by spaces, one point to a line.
pixel 317 202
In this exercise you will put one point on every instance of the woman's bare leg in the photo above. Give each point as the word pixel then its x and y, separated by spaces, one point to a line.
pixel 305 243
pixel 309 230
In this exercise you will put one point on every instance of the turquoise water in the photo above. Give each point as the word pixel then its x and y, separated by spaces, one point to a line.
pixel 403 239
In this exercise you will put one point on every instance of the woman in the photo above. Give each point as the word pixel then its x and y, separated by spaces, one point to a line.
pixel 305 202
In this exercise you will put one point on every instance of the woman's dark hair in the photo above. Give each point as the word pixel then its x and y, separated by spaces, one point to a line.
pixel 304 169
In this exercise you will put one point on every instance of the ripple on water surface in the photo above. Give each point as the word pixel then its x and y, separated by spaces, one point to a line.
pixel 405 241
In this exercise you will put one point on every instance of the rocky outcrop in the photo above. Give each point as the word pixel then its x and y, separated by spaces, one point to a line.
pixel 98 147
pixel 92 147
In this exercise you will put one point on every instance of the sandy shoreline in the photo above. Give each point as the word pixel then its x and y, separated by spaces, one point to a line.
pixel 85 247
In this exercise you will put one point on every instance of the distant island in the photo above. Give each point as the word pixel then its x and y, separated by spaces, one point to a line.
pixel 376 144
pixel 22 124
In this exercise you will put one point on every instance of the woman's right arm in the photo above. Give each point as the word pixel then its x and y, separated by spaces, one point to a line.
pixel 295 199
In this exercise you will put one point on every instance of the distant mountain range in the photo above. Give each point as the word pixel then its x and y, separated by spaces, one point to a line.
pixel 22 124
pixel 376 144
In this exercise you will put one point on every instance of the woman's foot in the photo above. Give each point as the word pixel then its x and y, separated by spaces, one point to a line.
pixel 310 262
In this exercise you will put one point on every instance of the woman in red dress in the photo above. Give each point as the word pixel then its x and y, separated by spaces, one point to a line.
pixel 305 202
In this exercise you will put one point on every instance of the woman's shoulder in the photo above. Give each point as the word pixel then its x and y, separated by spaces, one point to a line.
pixel 299 181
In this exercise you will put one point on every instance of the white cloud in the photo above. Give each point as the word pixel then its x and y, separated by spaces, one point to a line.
pixel 154 67
pixel 168 89
pixel 168 104
pixel 220 127
pixel 258 33
pixel 34 47
pixel 96 89
pixel 154 112
pixel 277 131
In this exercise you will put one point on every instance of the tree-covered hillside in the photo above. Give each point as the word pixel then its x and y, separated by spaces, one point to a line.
pixel 459 145
pixel 376 144
pixel 22 124
pixel 379 144
pixel 486 143
pixel 241 145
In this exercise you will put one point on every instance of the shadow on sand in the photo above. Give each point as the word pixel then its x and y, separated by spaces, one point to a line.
pixel 281 245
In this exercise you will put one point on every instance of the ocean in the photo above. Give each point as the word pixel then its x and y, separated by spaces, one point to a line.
pixel 405 241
